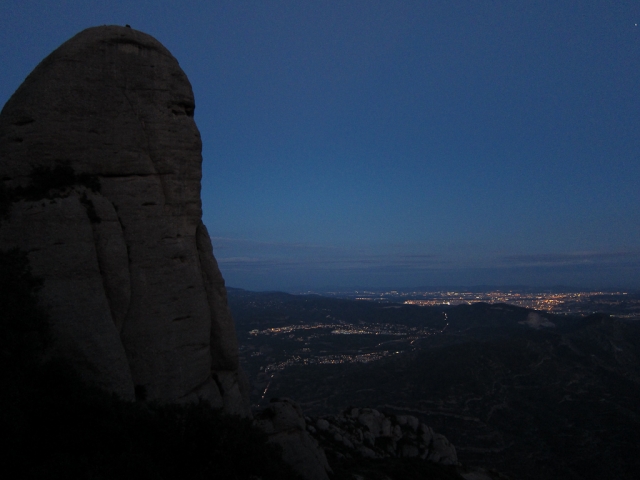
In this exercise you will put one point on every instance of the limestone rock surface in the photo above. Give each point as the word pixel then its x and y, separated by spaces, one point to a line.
pixel 100 173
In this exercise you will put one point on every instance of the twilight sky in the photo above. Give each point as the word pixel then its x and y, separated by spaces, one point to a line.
pixel 397 143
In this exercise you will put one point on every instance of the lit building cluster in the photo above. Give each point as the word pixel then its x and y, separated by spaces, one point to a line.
pixel 550 302
pixel 557 302
pixel 328 360
pixel 304 356
pixel 342 329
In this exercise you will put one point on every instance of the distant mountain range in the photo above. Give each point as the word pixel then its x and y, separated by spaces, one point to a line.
pixel 467 288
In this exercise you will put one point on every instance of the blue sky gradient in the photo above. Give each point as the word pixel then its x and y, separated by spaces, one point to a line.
pixel 404 143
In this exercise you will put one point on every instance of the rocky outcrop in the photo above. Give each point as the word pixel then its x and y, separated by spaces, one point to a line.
pixel 100 169
pixel 356 433
pixel 366 432
pixel 285 424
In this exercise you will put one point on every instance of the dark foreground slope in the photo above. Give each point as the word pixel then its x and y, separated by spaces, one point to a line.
pixel 53 426
pixel 532 401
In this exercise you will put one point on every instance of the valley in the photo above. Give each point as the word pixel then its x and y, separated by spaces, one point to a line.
pixel 529 393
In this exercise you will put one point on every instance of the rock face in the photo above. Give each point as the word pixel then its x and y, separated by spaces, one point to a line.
pixel 100 169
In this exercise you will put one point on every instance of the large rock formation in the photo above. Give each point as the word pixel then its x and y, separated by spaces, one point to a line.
pixel 100 168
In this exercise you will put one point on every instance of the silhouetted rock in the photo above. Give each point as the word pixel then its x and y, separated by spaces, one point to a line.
pixel 285 424
pixel 100 169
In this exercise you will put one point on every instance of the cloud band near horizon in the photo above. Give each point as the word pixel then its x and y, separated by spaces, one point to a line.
pixel 261 265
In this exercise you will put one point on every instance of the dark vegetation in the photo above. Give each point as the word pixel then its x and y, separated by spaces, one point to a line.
pixel 49 183
pixel 54 426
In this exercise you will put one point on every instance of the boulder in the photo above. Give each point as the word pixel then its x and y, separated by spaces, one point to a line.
pixel 385 427
pixel 442 451
pixel 322 424
pixel 371 419
pixel 426 433
pixel 413 422
pixel 100 170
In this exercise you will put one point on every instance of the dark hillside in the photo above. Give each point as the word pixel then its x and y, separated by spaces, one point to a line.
pixel 536 404
pixel 255 309
pixel 533 395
